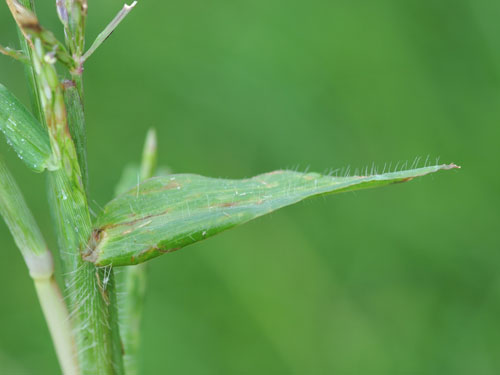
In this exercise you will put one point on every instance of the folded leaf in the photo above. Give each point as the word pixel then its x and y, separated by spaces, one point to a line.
pixel 164 214
pixel 24 133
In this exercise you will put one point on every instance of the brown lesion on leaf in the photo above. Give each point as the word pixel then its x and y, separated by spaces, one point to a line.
pixel 91 253
pixel 275 172
pixel 452 166
pixel 404 180
pixel 133 222
pixel 227 204
pixel 68 83
pixel 102 288
pixel 171 250
pixel 25 18
pixel 171 185
pixel 149 253
pixel 261 178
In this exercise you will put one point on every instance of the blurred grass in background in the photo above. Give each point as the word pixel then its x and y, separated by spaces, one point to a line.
pixel 402 280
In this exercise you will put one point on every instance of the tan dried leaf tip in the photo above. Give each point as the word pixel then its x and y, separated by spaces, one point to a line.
pixel 25 18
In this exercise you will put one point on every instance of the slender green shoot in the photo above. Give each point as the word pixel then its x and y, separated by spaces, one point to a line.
pixel 18 55
pixel 109 30
pixel 38 258
pixel 133 280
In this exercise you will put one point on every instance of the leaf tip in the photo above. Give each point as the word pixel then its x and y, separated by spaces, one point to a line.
pixel 151 140
pixel 129 7
pixel 451 166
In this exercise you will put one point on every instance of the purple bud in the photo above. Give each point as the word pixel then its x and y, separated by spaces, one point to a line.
pixel 62 11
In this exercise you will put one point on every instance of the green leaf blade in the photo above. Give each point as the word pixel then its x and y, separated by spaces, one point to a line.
pixel 24 133
pixel 164 214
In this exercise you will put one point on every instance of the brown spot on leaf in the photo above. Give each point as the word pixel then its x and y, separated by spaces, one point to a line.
pixel 151 250
pixel 67 83
pixel 25 18
pixel 227 204
pixel 404 180
pixel 133 222
pixel 274 172
pixel 171 185
pixel 90 252
pixel 165 251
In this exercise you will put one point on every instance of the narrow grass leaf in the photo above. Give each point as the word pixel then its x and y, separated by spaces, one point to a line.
pixel 22 225
pixel 23 132
pixel 131 291
pixel 164 214
pixel 18 55
pixel 109 29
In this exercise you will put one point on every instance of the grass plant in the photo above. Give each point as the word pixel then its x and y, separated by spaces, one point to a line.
pixel 154 212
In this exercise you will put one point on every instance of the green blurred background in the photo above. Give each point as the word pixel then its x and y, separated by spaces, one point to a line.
pixel 401 280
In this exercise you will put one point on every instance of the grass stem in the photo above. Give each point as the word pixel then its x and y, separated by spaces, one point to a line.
pixel 39 261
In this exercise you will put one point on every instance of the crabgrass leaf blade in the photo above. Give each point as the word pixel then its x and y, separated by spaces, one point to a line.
pixel 164 214
pixel 23 132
